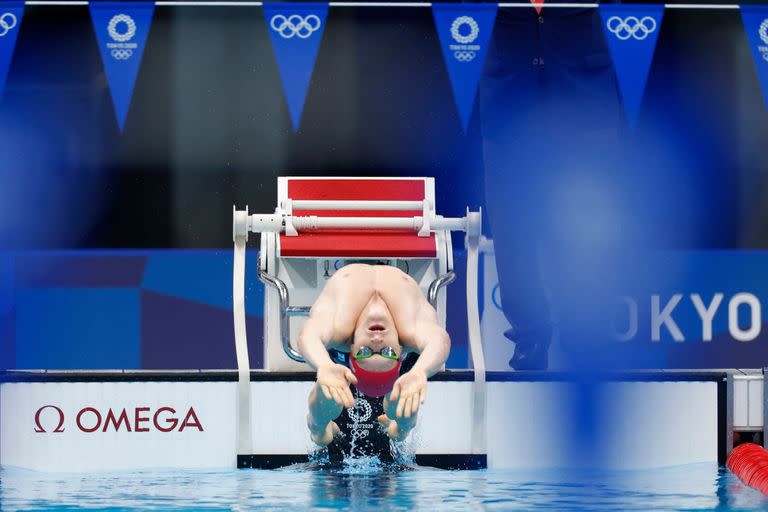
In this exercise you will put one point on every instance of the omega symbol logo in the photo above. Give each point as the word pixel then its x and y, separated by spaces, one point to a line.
pixel 39 428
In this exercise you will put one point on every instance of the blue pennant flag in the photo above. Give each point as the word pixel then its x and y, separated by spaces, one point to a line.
pixel 631 32
pixel 296 30
pixel 121 31
pixel 10 20
pixel 464 31
pixel 755 18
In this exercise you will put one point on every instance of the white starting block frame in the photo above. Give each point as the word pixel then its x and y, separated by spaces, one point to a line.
pixel 295 280
pixel 294 283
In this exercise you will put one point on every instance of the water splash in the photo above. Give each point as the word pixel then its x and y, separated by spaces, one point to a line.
pixel 362 465
pixel 358 464
pixel 355 431
pixel 318 455
pixel 404 452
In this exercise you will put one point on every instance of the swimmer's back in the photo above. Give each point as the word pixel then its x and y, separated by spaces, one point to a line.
pixel 352 287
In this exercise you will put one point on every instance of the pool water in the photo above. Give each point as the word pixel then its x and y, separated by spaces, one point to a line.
pixel 368 486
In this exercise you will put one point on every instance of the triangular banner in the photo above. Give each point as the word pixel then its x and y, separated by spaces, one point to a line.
pixel 464 31
pixel 631 32
pixel 296 30
pixel 755 18
pixel 10 20
pixel 538 4
pixel 121 31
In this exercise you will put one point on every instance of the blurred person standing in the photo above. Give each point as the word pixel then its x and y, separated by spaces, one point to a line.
pixel 550 116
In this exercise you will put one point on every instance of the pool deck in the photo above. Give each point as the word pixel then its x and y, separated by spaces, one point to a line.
pixel 636 409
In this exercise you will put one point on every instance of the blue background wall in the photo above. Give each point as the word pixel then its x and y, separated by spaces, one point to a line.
pixel 123 309
pixel 140 310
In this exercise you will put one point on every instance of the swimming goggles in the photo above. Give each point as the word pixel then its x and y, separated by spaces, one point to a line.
pixel 366 352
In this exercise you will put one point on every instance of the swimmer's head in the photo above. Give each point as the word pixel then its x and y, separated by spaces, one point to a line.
pixel 371 382
pixel 375 329
pixel 376 352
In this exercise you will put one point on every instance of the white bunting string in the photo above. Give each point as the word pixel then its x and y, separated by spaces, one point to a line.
pixel 521 5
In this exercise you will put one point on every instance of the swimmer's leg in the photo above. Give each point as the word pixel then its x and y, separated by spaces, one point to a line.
pixel 398 428
pixel 322 412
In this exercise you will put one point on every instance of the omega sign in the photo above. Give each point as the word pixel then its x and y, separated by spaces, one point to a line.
pixel 51 418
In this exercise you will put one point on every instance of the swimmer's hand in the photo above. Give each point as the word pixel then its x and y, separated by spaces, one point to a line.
pixel 409 392
pixel 334 380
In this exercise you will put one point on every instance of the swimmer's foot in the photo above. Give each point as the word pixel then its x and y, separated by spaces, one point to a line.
pixel 322 412
pixel 396 431
pixel 399 428
pixel 324 436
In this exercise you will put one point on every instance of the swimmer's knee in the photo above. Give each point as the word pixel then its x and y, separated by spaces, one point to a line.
pixel 322 435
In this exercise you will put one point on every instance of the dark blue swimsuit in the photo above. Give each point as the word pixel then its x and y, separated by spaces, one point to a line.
pixel 361 434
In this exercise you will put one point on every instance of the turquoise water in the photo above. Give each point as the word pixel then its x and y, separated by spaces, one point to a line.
pixel 692 487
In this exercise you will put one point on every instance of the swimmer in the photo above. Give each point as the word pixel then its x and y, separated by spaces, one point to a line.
pixel 374 316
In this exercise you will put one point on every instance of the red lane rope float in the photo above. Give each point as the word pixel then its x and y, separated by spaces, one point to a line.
pixel 749 462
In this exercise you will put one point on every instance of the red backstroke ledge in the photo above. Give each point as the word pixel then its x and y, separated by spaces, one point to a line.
pixel 348 190
pixel 749 462
pixel 367 243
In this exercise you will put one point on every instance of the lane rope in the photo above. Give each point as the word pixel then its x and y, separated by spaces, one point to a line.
pixel 749 462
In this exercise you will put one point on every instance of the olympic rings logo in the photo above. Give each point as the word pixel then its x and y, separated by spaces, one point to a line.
pixel 121 54
pixel 763 31
pixel 631 26
pixel 464 56
pixel 295 25
pixel 474 29
pixel 130 31
pixel 7 23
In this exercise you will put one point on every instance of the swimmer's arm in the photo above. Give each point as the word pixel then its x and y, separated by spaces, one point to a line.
pixel 316 336
pixel 313 348
pixel 331 322
pixel 314 340
pixel 432 342
pixel 433 345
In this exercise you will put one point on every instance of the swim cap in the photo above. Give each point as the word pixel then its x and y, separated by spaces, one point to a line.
pixel 375 383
